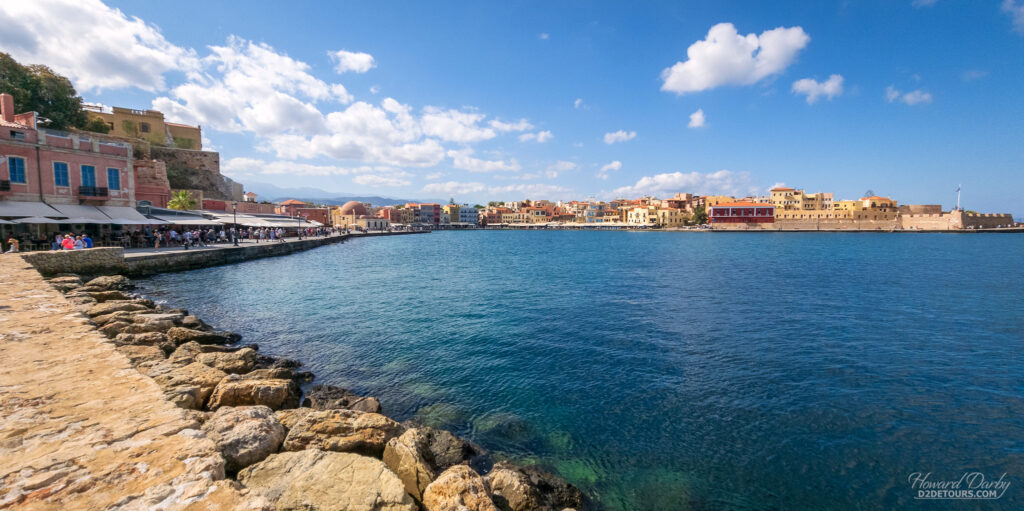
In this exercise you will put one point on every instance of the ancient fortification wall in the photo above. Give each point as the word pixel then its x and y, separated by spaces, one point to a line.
pixel 189 169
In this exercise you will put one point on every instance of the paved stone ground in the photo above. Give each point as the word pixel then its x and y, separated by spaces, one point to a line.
pixel 80 428
pixel 136 252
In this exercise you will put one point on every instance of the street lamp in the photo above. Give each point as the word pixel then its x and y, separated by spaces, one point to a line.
pixel 234 219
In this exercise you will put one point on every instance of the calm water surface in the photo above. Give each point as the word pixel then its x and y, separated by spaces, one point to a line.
pixel 669 370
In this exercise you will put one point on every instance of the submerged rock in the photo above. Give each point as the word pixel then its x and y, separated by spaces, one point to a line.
pixel 518 488
pixel 328 397
pixel 456 489
pixel 244 435
pixel 236 391
pixel 342 431
pixel 111 282
pixel 315 480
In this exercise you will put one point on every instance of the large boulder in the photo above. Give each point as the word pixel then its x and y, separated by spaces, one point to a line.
pixel 291 416
pixel 180 335
pixel 404 455
pixel 68 279
pixel 279 373
pixel 329 397
pixel 123 316
pixel 112 329
pixel 111 282
pixel 105 308
pixel 106 296
pixel 194 323
pixel 201 376
pixel 518 488
pixel 145 339
pixel 315 480
pixel 459 488
pixel 244 435
pixel 236 362
pixel 137 327
pixel 342 431
pixel 236 391
pixel 156 316
pixel 447 450
pixel 142 356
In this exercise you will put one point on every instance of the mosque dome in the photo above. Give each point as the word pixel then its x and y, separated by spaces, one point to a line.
pixel 353 208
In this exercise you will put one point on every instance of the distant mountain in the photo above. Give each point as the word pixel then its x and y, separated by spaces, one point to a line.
pixel 274 193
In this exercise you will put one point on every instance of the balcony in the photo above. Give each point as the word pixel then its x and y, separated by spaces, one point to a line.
pixel 92 191
pixel 5 185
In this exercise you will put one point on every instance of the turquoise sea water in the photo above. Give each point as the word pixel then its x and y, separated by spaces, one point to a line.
pixel 669 370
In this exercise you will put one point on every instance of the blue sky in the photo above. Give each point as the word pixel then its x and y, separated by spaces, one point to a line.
pixel 482 101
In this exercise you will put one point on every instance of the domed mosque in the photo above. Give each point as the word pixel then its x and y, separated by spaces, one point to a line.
pixel 354 215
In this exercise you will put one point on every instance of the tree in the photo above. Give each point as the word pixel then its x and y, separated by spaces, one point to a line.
pixel 181 200
pixel 37 88
pixel 451 200
pixel 477 206
pixel 700 216
pixel 97 125
pixel 493 204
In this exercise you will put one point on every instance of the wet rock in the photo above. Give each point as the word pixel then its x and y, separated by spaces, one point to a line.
pixel 244 435
pixel 180 336
pixel 142 356
pixel 111 282
pixel 195 323
pixel 145 302
pixel 530 489
pixel 404 455
pixel 290 417
pixel 161 326
pixel 304 376
pixel 456 489
pixel 448 450
pixel 328 397
pixel 316 480
pixel 206 378
pixel 342 431
pixel 104 308
pixel 237 362
pixel 106 296
pixel 271 374
pixel 236 391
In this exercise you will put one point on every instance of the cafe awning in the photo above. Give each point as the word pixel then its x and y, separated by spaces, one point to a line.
pixel 187 220
pixel 81 214
pixel 10 208
pixel 36 220
pixel 125 216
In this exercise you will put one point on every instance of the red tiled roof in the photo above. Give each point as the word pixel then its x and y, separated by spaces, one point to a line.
pixel 8 124
pixel 781 189
pixel 875 198
pixel 292 201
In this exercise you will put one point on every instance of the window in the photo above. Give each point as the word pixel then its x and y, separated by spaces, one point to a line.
pixel 17 135
pixel 60 174
pixel 88 175
pixel 111 126
pixel 16 169
pixel 114 179
pixel 144 127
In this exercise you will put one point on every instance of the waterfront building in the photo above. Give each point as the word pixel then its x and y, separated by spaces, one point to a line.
pixel 642 216
pixel 290 207
pixel 686 202
pixel 787 199
pixel 468 215
pixel 741 212
pixel 345 216
pixel 148 125
pixel 672 217
pixel 249 197
pixel 429 214
pixel 451 213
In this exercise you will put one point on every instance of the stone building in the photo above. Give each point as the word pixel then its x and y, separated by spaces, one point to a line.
pixel 148 125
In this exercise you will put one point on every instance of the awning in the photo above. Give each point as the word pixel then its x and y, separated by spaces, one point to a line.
pixel 124 215
pixel 81 214
pixel 10 208
pixel 5 222
pixel 187 220
pixel 36 220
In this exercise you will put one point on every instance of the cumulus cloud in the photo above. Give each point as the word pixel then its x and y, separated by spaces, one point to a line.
pixel 608 169
pixel 455 125
pixel 96 46
pixel 619 136
pixel 520 125
pixel 539 137
pixel 256 166
pixel 814 89
pixel 1015 8
pixel 454 188
pixel 463 159
pixel 697 119
pixel 578 104
pixel 914 97
pixel 725 57
pixel 721 182
pixel 380 181
pixel 559 167
pixel 357 62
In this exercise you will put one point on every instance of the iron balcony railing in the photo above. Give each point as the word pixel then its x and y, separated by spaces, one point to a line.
pixel 92 191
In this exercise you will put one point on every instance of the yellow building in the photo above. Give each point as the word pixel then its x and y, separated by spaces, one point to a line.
pixel 148 125
pixel 672 217
pixel 452 210
pixel 714 200
pixel 788 199
pixel 642 216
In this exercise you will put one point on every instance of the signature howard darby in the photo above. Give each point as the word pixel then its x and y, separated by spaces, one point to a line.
pixel 970 485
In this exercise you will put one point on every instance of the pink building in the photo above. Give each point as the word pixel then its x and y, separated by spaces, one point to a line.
pixel 61 168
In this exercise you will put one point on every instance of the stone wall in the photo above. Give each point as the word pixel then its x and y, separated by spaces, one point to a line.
pixel 95 261
pixel 987 221
pixel 188 169
pixel 813 225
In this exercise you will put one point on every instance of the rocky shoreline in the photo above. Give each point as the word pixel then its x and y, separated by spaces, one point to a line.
pixel 326 448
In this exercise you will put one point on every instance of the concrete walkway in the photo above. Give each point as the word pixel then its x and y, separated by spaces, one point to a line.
pixel 136 252
pixel 79 427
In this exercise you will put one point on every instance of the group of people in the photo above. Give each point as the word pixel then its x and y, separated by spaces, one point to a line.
pixel 71 242
pixel 187 238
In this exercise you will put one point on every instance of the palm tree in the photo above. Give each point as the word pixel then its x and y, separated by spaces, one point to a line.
pixel 181 199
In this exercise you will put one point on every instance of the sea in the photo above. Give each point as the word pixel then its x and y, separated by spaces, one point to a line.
pixel 670 370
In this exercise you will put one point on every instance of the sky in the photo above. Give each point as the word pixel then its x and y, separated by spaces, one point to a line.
pixel 482 101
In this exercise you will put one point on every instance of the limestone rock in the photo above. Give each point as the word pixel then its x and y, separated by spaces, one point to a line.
pixel 195 374
pixel 185 354
pixel 111 282
pixel 114 328
pixel 342 431
pixel 142 355
pixel 279 373
pixel 328 397
pixel 161 326
pixel 446 449
pixel 244 435
pixel 235 391
pixel 290 417
pixel 530 489
pixel 194 323
pixel 82 302
pixel 156 316
pixel 316 480
pixel 238 362
pixel 65 287
pixel 146 339
pixel 456 489
pixel 106 296
pixel 124 316
pixel 114 306
pixel 69 279
pixel 404 456
pixel 181 335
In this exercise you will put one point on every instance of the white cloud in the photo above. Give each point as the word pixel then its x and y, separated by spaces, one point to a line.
pixel 357 62
pixel 814 89
pixel 606 170
pixel 914 97
pixel 578 103
pixel 463 159
pixel 619 136
pixel 96 46
pixel 923 3
pixel 434 175
pixel 520 125
pixel 454 188
pixel 559 167
pixel 721 182
pixel 378 181
pixel 725 57
pixel 375 89
pixel 540 137
pixel 256 166
pixel 697 119
pixel 455 125
pixel 1016 12
pixel 544 36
